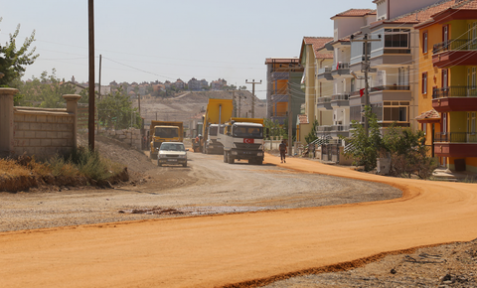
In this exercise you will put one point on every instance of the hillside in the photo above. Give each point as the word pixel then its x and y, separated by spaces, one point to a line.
pixel 188 105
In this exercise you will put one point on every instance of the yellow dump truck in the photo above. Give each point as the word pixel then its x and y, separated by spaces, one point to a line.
pixel 164 131
pixel 218 112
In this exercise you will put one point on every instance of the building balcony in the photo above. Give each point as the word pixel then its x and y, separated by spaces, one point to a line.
pixel 379 94
pixel 342 69
pixel 324 103
pixel 339 131
pixel 280 76
pixel 454 98
pixel 455 144
pixel 324 74
pixel 340 100
pixel 324 129
pixel 455 52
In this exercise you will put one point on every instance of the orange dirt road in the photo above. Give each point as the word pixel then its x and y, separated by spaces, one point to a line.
pixel 213 251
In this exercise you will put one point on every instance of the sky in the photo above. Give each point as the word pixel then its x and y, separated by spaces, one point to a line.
pixel 146 40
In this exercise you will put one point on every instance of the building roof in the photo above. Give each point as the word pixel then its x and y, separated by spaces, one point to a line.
pixel 431 114
pixel 424 14
pixel 282 60
pixel 355 13
pixel 318 44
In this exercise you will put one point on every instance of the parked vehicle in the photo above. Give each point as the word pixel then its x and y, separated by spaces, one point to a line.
pixel 172 153
pixel 164 131
pixel 242 138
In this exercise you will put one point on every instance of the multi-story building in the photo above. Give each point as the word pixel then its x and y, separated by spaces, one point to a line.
pixel 179 84
pixel 218 84
pixel 336 75
pixel 448 84
pixel 283 80
pixel 194 84
pixel 394 61
pixel 312 56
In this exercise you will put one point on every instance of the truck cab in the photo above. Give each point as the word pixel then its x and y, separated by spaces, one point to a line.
pixel 212 146
pixel 163 133
pixel 243 140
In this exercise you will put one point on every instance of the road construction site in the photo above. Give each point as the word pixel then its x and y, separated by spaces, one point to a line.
pixel 214 224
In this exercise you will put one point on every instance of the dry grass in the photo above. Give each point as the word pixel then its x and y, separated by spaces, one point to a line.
pixel 81 167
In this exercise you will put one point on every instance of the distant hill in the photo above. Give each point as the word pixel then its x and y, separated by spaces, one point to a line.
pixel 187 105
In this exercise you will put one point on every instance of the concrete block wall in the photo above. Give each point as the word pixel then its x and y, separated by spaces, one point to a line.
pixel 43 132
pixel 40 132
pixel 129 136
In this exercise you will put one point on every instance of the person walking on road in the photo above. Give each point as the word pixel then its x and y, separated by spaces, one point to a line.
pixel 283 151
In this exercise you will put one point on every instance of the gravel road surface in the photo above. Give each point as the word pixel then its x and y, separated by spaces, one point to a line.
pixel 207 186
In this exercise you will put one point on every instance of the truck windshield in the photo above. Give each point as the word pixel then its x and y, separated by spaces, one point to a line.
pixel 248 132
pixel 213 131
pixel 164 132
pixel 172 147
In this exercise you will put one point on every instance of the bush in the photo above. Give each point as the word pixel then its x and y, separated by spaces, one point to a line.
pixel 408 153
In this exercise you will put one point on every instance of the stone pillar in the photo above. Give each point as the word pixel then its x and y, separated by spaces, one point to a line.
pixel 72 107
pixel 6 120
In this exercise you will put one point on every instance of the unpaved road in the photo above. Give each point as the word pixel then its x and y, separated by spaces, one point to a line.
pixel 260 247
pixel 207 186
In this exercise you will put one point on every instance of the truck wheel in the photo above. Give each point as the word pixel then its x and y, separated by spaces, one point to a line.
pixel 184 165
pixel 259 162
pixel 225 157
pixel 230 160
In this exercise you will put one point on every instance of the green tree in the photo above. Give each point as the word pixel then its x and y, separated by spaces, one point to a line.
pixel 312 135
pixel 366 148
pixel 115 110
pixel 46 91
pixel 13 61
pixel 409 154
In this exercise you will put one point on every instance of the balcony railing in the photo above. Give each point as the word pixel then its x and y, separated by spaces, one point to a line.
pixel 324 70
pixel 340 128
pixel 454 91
pixel 338 97
pixel 384 87
pixel 455 45
pixel 323 128
pixel 456 137
pixel 324 100
pixel 341 66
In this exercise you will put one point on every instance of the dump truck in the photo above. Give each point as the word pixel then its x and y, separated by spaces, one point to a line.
pixel 164 131
pixel 242 138
pixel 218 112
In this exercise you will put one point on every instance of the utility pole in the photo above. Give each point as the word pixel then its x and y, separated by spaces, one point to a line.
pixel 99 87
pixel 290 122
pixel 253 94
pixel 91 75
pixel 99 91
pixel 366 69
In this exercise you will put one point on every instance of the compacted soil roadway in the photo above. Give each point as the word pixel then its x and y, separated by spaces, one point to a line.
pixel 242 250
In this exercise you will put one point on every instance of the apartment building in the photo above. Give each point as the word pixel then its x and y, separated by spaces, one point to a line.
pixel 448 84
pixel 335 77
pixel 394 61
pixel 313 55
pixel 283 81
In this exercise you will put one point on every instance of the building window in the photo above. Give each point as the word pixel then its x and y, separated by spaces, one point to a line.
pixel 396 38
pixel 395 111
pixel 424 128
pixel 445 78
pixel 424 42
pixel 471 122
pixel 424 83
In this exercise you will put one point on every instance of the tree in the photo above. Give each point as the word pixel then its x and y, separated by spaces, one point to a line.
pixel 46 91
pixel 312 135
pixel 366 148
pixel 115 110
pixel 13 61
pixel 409 154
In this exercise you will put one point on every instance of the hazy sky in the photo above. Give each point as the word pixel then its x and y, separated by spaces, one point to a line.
pixel 164 40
